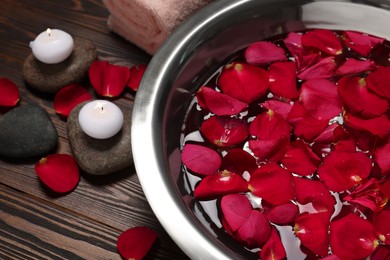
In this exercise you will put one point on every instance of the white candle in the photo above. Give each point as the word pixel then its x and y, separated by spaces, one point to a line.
pixel 100 119
pixel 52 46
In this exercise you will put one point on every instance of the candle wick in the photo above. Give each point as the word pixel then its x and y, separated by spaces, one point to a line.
pixel 48 30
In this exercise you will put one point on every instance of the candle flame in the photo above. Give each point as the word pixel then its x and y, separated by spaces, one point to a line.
pixel 100 107
pixel 48 30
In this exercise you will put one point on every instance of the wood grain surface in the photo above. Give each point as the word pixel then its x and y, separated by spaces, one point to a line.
pixel 84 224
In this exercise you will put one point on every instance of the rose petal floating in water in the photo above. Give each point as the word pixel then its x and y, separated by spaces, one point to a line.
pixel 237 160
pixel 219 103
pixel 263 52
pixel 273 248
pixel 368 194
pixel 200 159
pixel 219 184
pixel 269 125
pixel 323 40
pixel 352 237
pixel 243 82
pixel 300 159
pixel 354 66
pixel 136 242
pixel 382 225
pixel 343 170
pixel 224 131
pixel 312 230
pixel 379 82
pixel 236 210
pixel 282 214
pixel 319 97
pixel 255 231
pixel 379 126
pixel 272 183
pixel 359 100
pixel 283 79
pixel 359 42
pixel 314 193
pixel 321 69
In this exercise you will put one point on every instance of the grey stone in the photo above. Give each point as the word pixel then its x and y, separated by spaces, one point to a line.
pixel 100 156
pixel 49 78
pixel 27 131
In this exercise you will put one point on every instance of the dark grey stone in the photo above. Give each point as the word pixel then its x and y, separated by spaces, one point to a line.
pixel 49 78
pixel 27 131
pixel 100 156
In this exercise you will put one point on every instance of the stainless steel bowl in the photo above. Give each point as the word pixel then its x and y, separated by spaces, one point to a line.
pixel 182 64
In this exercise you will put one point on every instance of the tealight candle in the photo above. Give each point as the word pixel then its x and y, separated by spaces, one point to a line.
pixel 52 46
pixel 100 119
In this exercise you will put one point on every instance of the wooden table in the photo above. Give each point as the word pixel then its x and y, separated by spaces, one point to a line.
pixel 84 224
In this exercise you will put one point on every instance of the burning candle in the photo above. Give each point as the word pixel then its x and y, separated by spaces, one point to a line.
pixel 100 119
pixel 52 46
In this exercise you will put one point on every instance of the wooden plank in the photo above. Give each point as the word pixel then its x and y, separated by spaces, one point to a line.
pixel 108 203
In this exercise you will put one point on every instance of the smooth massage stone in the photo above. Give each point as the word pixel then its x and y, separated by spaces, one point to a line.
pixel 26 131
pixel 100 156
pixel 49 78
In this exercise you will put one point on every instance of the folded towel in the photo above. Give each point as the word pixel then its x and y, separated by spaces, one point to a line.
pixel 147 23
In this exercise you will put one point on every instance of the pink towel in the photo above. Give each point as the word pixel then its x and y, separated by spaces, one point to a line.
pixel 147 23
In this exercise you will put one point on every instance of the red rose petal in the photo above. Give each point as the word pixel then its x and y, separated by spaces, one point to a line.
pixel 9 93
pixel 219 184
pixel 343 170
pixel 319 97
pixel 379 126
pixel 263 52
pixel 322 69
pixel 358 99
pixel 255 231
pixel 360 42
pixel 293 42
pixel 312 230
pixel 354 66
pixel 283 81
pixel 280 107
pixel 135 77
pixel 326 136
pixel 224 131
pixel 68 97
pixel 269 125
pixel 219 103
pixel 200 159
pixel 243 82
pixel 236 210
pixel 136 242
pixel 385 187
pixel 300 159
pixel 352 237
pixel 283 214
pixel 343 140
pixel 331 257
pixel 270 150
pixel 314 192
pixel 238 161
pixel 323 40
pixel 305 126
pixel 382 157
pixel 273 248
pixel 381 253
pixel 369 195
pixel 59 172
pixel 382 225
pixel 273 184
pixel 107 79
pixel 379 82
